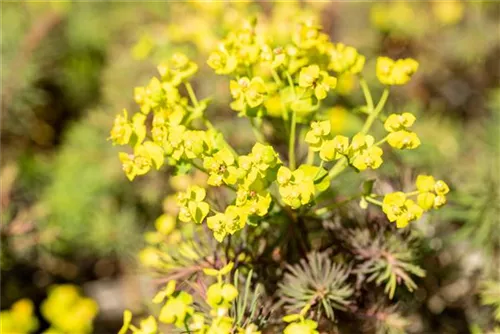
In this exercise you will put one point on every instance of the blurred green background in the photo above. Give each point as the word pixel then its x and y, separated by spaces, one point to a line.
pixel 69 215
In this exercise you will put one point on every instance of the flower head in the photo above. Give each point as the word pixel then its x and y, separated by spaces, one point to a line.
pixel 395 72
pixel 363 153
pixel 193 208
pixel 345 59
pixel 400 209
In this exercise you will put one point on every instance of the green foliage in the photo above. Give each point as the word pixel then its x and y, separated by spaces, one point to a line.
pixel 266 183
pixel 77 203
pixel 385 259
pixel 318 282
pixel 490 295
pixel 324 155
pixel 477 201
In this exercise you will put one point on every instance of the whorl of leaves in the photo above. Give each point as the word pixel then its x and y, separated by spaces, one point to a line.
pixel 490 295
pixel 183 259
pixel 386 320
pixel 385 258
pixel 318 281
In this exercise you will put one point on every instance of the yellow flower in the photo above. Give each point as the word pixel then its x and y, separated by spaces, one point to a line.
pixel 439 201
pixel 319 132
pixel 403 140
pixel 177 69
pixel 68 311
pixel 431 192
pixel 19 319
pixel 221 168
pixel 298 188
pixel 217 223
pixel 247 93
pixel 222 62
pixel 334 149
pixel 399 72
pixel 441 188
pixel 177 309
pixel 122 130
pixel 320 81
pixel 363 154
pixel 448 12
pixel 426 200
pixel 144 157
pixel 425 183
pixel 400 209
pixel 165 224
pixel 193 208
pixel 229 222
pixel 302 327
pixel 307 35
pixel 396 122
pixel 345 59
pixel 221 294
pixel 253 201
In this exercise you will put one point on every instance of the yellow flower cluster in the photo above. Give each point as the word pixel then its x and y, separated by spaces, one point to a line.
pixel 252 174
pixel 399 135
pixel 294 73
pixel 345 59
pixel 192 206
pixel 68 311
pixel 395 72
pixel 232 220
pixel 401 209
pixel 180 310
pixel 431 193
pixel 299 187
pixel 169 135
pixel 361 152
pixel 19 319
pixel 288 77
pixel 320 81
pixel 291 80
pixel 247 94
pixel 299 325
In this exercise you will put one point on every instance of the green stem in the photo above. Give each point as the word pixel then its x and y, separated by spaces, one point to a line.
pixel 413 193
pixel 256 131
pixel 196 104
pixel 290 83
pixel 342 163
pixel 191 94
pixel 291 143
pixel 373 201
pixel 327 208
pixel 381 141
pixel 208 124
pixel 200 168
pixel 374 114
pixel 337 168
pixel 276 77
pixel 320 168
pixel 276 200
pixel 367 94
pixel 310 157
